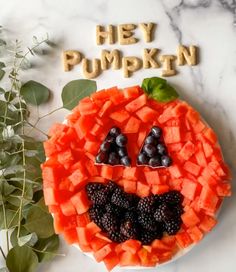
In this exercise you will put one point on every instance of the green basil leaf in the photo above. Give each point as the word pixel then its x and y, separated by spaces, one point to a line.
pixel 34 92
pixel 40 222
pixel 46 249
pixel 75 90
pixel 158 89
pixel 21 259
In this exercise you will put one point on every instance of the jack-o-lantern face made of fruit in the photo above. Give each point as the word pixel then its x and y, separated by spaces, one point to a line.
pixel 133 180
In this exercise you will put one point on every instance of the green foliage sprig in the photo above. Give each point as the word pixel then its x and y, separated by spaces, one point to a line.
pixel 30 237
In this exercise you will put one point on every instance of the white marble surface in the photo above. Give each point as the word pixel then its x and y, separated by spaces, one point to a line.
pixel 210 86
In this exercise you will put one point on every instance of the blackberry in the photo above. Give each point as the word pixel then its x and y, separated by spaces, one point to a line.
pixel 172 226
pixel 95 214
pixel 163 213
pixel 147 221
pixel 116 237
pixel 133 200
pixel 172 197
pixel 109 222
pixel 111 186
pixel 131 215
pixel 100 197
pixel 128 229
pixel 147 237
pixel 93 187
pixel 177 210
pixel 120 199
pixel 146 204
pixel 115 210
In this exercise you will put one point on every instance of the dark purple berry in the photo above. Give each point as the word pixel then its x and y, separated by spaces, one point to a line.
pixel 121 140
pixel 105 146
pixel 161 149
pixel 155 161
pixel 113 159
pixel 114 131
pixel 156 132
pixel 166 161
pixel 142 159
pixel 149 150
pixel 122 151
pixel 125 161
pixel 101 157
pixel 150 140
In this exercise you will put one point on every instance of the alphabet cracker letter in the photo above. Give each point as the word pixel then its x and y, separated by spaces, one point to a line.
pixel 185 55
pixel 70 59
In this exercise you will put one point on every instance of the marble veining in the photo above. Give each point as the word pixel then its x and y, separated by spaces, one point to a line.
pixel 210 86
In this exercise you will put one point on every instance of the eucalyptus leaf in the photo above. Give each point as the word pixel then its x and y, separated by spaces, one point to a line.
pixel 34 92
pixel 75 90
pixel 21 259
pixel 29 239
pixel 13 237
pixel 46 249
pixel 2 72
pixel 11 218
pixel 40 222
pixel 2 91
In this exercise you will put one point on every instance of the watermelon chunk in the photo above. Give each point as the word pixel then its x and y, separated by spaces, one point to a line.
pixel 208 199
pixel 132 126
pixel 137 103
pixel 80 201
pixel 120 115
pixel 171 135
pixel 190 218
pixel 129 259
pixel 187 151
pixel 146 114
pixel 131 245
pixel 102 253
pixel 192 168
pixel 189 189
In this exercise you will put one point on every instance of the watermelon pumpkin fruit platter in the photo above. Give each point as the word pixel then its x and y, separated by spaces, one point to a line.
pixel 134 176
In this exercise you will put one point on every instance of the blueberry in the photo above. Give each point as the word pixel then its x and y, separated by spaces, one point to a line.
pixel 125 161
pixel 114 131
pixel 150 140
pixel 101 157
pixel 122 151
pixel 150 150
pixel 121 140
pixel 161 149
pixel 156 132
pixel 166 161
pixel 155 161
pixel 113 158
pixel 110 139
pixel 142 158
pixel 105 146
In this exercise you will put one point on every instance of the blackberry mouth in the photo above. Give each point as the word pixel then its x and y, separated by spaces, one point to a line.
pixel 123 216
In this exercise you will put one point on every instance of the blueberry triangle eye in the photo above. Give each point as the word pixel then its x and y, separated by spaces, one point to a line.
pixel 113 149
pixel 154 152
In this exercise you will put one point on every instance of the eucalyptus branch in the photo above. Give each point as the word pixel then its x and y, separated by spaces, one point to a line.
pixel 3 254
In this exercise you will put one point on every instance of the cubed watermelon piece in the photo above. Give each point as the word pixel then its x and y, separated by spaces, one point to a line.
pixel 50 196
pixel 200 155
pixel 120 115
pixel 147 258
pixel 80 201
pixel 91 168
pixel 224 189
pixel 142 189
pixel 141 136
pixel 166 115
pixel 192 168
pixel 210 135
pixel 189 189
pixel 105 108
pixel 160 246
pixel 78 178
pixel 132 125
pixel 82 219
pixel 131 92
pixel 152 177
pixel 183 239
pixel 107 172
pixel 84 125
pixel 87 106
pixel 70 236
pixel 103 252
pixel 83 236
pixel 190 218
pixel 130 186
pixel 92 229
pixel 131 245
pixel 129 259
pixel 160 188
pixel 137 103
pixel 111 261
pixel 187 151
pixel 91 147
pixel 175 171
pixel 195 233
pixel 172 135
pixel 180 109
pixel 198 127
pixel 208 200
pixel 192 116
pixel 97 243
pixel 146 114
pixel 68 208
pixel 207 223
pixel 208 150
